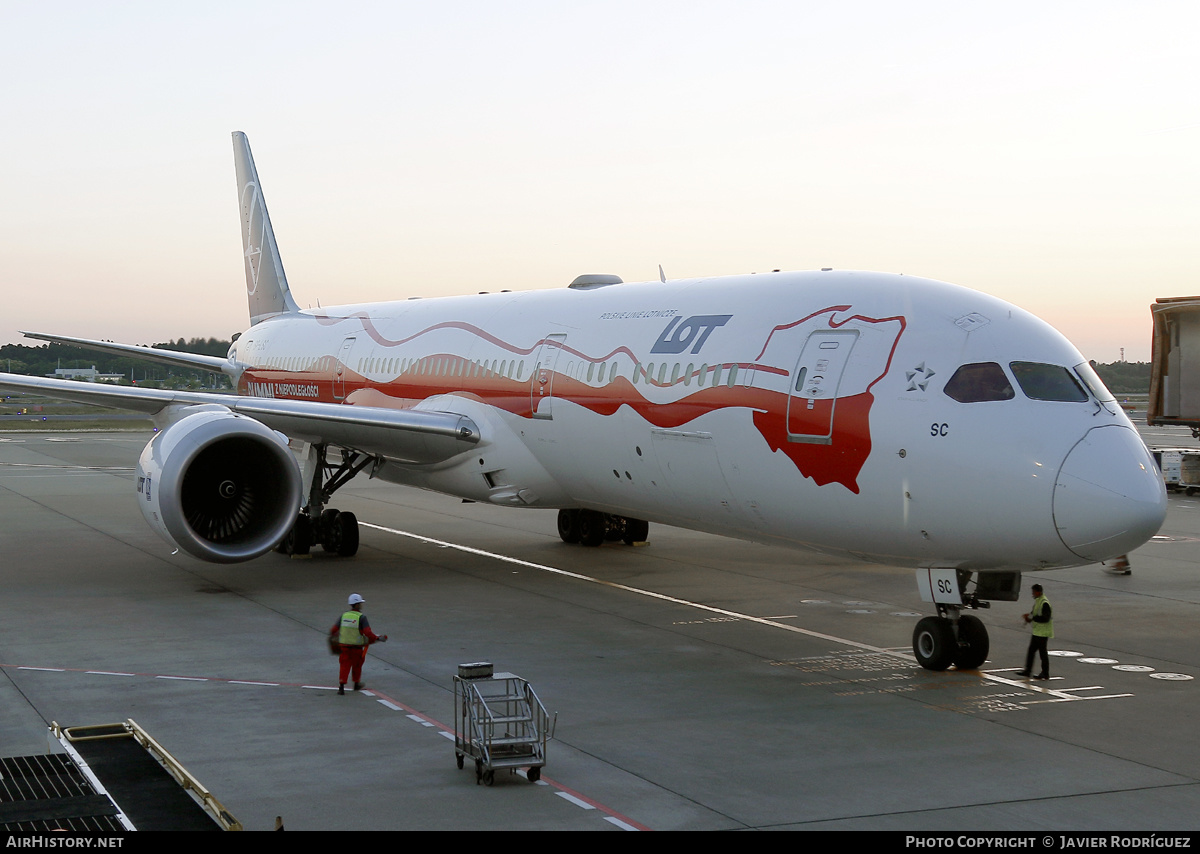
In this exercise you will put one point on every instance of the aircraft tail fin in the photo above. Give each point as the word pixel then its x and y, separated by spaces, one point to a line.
pixel 266 283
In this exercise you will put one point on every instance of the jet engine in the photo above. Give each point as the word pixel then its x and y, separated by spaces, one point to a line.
pixel 223 487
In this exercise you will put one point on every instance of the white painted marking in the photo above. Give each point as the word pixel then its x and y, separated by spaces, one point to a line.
pixel 619 823
pixel 1092 660
pixel 445 734
pixel 391 706
pixel 183 678
pixel 1134 668
pixel 903 655
pixel 1066 653
pixel 107 673
pixel 581 804
pixel 320 687
pixel 263 684
pixel 47 669
pixel 1172 677
pixel 635 590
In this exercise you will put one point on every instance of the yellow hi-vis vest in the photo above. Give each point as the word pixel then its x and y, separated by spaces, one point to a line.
pixel 1046 629
pixel 349 635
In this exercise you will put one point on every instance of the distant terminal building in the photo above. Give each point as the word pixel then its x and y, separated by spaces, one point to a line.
pixel 89 374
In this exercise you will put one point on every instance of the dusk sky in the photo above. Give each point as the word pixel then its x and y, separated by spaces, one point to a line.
pixel 1046 153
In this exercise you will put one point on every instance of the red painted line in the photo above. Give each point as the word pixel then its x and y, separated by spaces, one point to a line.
pixel 589 801
pixel 371 691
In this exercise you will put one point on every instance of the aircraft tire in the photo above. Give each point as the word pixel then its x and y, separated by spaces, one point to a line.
pixel 973 644
pixel 636 531
pixel 568 525
pixel 330 532
pixel 933 643
pixel 591 527
pixel 298 539
pixel 348 525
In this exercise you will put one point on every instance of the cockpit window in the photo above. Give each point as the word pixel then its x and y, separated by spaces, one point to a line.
pixel 1092 380
pixel 1048 382
pixel 979 382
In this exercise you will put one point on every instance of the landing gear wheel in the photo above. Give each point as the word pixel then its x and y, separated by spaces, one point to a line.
pixel 568 525
pixel 591 527
pixel 973 644
pixel 298 540
pixel 933 643
pixel 534 774
pixel 348 528
pixel 636 531
pixel 330 532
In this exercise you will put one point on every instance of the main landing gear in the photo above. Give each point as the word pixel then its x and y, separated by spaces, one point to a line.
pixel 591 528
pixel 334 531
pixel 953 637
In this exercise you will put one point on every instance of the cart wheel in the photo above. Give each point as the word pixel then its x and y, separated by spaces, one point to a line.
pixel 458 757
pixel 478 771
pixel 489 777
pixel 534 774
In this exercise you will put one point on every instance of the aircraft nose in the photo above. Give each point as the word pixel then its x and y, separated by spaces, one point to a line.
pixel 1109 497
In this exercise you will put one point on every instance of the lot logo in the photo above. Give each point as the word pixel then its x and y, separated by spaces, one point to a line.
pixel 678 335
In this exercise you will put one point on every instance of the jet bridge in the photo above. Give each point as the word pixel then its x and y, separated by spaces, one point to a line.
pixel 1175 364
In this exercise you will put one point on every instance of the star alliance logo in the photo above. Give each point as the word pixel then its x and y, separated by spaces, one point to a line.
pixel 918 378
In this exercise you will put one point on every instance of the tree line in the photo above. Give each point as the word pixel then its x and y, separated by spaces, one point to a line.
pixel 41 360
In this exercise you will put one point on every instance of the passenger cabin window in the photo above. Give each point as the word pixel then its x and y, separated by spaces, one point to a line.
pixel 979 382
pixel 1048 382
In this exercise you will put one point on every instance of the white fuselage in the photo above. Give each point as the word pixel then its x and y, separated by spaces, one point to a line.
pixel 799 408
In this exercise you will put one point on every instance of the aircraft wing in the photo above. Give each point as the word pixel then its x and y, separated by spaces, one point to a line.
pixel 153 354
pixel 405 435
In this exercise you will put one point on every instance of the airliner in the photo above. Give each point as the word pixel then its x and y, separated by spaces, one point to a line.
pixel 883 417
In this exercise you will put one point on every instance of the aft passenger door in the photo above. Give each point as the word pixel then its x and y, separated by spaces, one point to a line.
pixel 541 384
pixel 339 378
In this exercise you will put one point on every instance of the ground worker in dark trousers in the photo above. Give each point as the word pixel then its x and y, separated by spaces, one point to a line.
pixel 1042 627
pixel 354 634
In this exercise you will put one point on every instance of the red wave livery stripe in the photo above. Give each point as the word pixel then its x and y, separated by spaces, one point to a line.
pixel 837 458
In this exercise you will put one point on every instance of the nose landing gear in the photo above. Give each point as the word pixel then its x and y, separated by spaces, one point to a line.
pixel 953 637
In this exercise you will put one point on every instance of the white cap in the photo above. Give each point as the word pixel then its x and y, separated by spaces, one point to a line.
pixel 355 599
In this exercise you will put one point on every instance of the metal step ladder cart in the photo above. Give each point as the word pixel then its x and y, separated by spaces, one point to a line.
pixel 499 722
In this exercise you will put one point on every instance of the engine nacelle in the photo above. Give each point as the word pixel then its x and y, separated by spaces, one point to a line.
pixel 222 487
